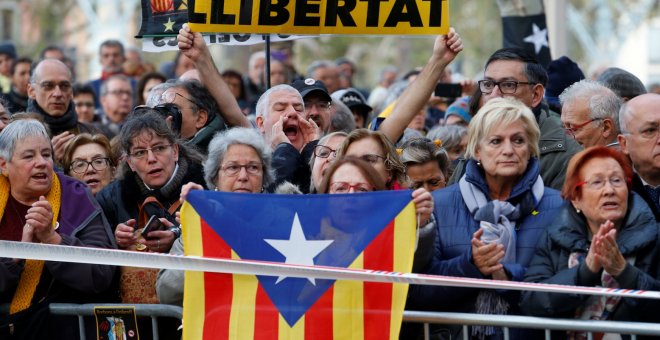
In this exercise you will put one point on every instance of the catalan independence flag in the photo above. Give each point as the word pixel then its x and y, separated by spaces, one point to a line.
pixel 361 231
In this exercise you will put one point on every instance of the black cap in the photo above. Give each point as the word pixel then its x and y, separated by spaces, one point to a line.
pixel 310 85
pixel 352 98
pixel 8 48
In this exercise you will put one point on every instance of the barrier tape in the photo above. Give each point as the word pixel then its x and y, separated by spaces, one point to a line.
pixel 36 251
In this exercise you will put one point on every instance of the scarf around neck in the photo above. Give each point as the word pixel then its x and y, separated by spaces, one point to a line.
pixel 59 124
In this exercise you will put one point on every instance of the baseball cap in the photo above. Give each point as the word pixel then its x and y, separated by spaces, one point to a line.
pixel 310 85
pixel 352 98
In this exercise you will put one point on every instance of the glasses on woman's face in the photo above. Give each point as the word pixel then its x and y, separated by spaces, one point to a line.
pixel 80 166
pixel 323 151
pixel 157 150
pixel 598 183
pixel 345 187
pixel 432 182
pixel 372 159
pixel 232 169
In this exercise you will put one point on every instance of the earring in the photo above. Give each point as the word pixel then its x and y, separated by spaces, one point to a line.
pixel 577 210
pixel 479 163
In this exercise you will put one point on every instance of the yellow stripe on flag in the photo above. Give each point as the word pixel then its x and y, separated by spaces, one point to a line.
pixel 295 332
pixel 244 297
pixel 404 239
pixel 194 281
pixel 348 306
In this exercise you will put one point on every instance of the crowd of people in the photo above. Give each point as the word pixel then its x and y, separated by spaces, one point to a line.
pixel 534 174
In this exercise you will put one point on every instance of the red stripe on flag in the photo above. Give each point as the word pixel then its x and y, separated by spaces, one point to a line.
pixel 218 287
pixel 318 319
pixel 266 317
pixel 379 255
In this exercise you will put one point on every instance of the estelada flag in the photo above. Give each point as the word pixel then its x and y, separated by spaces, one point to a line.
pixel 163 17
pixel 361 231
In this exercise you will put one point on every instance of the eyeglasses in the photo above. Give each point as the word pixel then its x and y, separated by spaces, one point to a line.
pixel 572 130
pixel 506 86
pixel 170 97
pixel 598 182
pixel 372 159
pixel 64 86
pixel 322 151
pixel 232 169
pixel 84 104
pixel 80 166
pixel 320 105
pixel 120 93
pixel 432 182
pixel 344 187
pixel 157 150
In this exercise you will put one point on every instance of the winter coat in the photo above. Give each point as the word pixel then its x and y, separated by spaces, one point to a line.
pixel 638 237
pixel 453 250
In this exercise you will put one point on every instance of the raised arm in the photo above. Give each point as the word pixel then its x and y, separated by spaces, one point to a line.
pixel 413 99
pixel 192 45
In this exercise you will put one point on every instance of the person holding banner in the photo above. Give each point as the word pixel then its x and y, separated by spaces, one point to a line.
pixel 41 206
pixel 238 161
pixel 489 223
pixel 607 236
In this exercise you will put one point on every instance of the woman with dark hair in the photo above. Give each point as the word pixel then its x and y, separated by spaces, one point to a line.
pixel 607 236
pixel 149 183
pixel 144 85
pixel 89 158
pixel 234 81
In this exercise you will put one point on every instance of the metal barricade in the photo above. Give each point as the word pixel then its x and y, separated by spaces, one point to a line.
pixel 154 311
pixel 514 321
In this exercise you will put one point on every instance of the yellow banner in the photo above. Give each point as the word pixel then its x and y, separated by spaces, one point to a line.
pixel 372 17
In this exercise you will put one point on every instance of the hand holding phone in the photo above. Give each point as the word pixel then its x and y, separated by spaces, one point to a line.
pixel 153 224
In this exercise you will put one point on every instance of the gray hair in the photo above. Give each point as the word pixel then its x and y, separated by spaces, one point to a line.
pixel 121 77
pixel 449 135
pixel 317 64
pixel 343 119
pixel 112 43
pixel 422 150
pixel 624 111
pixel 156 92
pixel 603 102
pixel 237 136
pixel 254 57
pixel 17 131
pixel 263 104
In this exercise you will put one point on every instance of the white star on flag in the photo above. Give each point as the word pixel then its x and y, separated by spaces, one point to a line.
pixel 539 38
pixel 297 249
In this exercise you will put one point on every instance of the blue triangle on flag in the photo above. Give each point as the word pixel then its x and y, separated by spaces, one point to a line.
pixel 350 221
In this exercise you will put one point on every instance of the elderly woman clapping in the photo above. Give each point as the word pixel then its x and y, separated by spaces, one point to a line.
pixel 489 222
pixel 238 161
pixel 41 206
pixel 606 237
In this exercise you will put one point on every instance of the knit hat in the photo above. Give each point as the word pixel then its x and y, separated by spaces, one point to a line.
pixel 460 108
pixel 8 48
pixel 622 82
pixel 562 73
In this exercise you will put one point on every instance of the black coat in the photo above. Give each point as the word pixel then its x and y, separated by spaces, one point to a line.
pixel 639 237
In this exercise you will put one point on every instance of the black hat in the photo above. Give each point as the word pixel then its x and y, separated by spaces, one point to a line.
pixel 310 85
pixel 8 49
pixel 352 98
pixel 562 73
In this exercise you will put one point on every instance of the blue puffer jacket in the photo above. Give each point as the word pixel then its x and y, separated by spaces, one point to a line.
pixel 637 238
pixel 453 253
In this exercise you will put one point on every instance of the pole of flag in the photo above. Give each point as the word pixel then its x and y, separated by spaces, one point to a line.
pixel 267 68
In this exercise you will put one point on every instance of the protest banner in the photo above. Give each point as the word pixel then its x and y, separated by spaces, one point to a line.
pixel 313 17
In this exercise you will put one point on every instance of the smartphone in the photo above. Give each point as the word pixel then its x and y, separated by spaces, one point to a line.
pixel 446 90
pixel 154 223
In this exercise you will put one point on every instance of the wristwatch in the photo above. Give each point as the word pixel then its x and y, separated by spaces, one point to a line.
pixel 176 230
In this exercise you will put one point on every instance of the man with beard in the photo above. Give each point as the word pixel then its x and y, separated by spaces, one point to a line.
pixel 280 118
pixel 51 96
pixel 318 103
